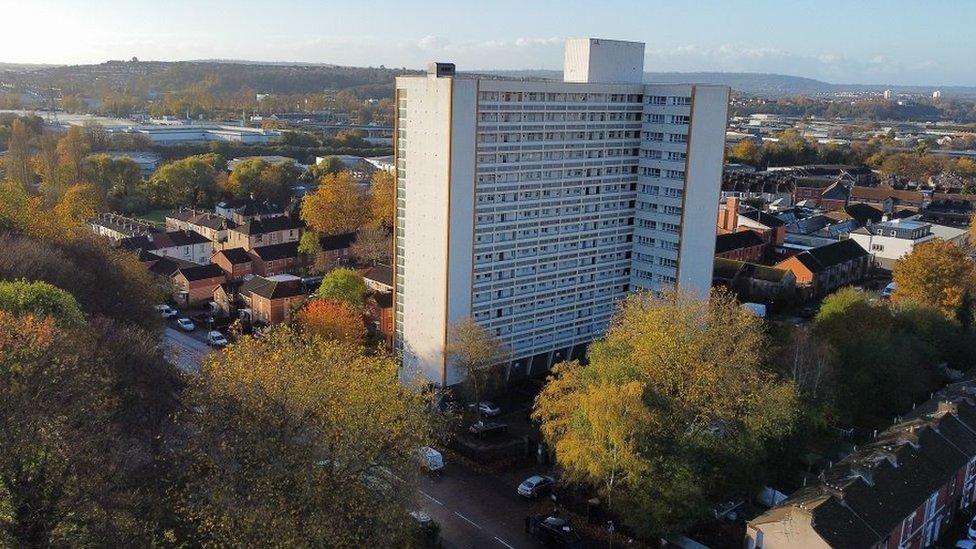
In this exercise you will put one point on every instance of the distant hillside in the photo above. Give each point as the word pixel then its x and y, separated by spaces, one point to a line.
pixel 768 85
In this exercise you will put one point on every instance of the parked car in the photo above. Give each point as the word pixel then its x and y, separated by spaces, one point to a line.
pixel 186 324
pixel 888 290
pixel 554 532
pixel 485 428
pixel 166 311
pixel 809 311
pixel 535 486
pixel 972 528
pixel 488 409
pixel 966 544
pixel 216 339
pixel 430 459
pixel 202 318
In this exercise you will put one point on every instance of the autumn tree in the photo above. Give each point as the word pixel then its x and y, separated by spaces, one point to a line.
pixel 16 161
pixel 477 356
pixel 47 165
pixel 335 320
pixel 382 198
pixel 72 149
pixel 337 205
pixel 372 245
pixel 937 274
pixel 323 437
pixel 78 204
pixel 676 398
pixel 343 285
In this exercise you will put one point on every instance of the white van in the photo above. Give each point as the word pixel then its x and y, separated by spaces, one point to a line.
pixel 888 290
pixel 430 459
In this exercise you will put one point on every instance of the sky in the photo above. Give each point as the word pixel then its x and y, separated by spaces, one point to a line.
pixel 922 42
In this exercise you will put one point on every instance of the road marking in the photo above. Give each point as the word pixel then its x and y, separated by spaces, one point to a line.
pixel 430 497
pixel 469 521
pixel 499 540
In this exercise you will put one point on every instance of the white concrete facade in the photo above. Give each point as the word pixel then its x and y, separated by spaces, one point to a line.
pixel 533 207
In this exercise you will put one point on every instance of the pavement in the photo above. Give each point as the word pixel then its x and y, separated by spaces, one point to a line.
pixel 478 510
pixel 183 350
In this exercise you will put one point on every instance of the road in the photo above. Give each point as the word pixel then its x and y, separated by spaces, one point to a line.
pixel 183 350
pixel 478 510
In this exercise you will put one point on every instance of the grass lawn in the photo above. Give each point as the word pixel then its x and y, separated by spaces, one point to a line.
pixel 157 216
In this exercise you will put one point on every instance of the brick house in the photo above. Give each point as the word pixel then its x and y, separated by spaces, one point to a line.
pixel 275 259
pixel 732 219
pixel 208 224
pixel 264 232
pixel 236 262
pixel 195 285
pixel 741 246
pixel 900 490
pixel 271 300
pixel 379 313
pixel 335 249
pixel 822 270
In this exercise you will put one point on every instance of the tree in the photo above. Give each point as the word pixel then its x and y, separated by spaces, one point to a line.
pixel 336 320
pixel 337 205
pixel 323 438
pixel 382 199
pixel 343 285
pixel 372 245
pixel 16 161
pixel 57 463
pixel 477 356
pixel 72 149
pixel 884 355
pixel 937 274
pixel 79 204
pixel 244 177
pixel 188 181
pixel 40 299
pixel 676 391
pixel 310 247
pixel 116 177
pixel 275 184
pixel 47 161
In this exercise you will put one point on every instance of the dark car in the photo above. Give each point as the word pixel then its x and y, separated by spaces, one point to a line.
pixel 485 428
pixel 555 532
pixel 809 311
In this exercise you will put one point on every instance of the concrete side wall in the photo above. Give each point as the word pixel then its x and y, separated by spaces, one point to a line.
pixel 427 165
pixel 603 61
pixel 706 151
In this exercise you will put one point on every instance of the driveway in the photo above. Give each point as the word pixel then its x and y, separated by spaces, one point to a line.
pixel 183 350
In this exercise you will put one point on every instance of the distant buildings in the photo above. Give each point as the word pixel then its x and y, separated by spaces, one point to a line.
pixel 533 207
pixel 889 241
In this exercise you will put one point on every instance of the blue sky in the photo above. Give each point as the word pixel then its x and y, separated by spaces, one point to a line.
pixel 885 41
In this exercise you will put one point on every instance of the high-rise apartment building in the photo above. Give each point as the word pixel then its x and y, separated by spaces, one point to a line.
pixel 532 207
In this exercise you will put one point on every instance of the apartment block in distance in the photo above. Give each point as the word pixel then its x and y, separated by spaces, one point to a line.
pixel 532 207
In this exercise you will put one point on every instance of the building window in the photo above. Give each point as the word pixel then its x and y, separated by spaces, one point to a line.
pixel 877 247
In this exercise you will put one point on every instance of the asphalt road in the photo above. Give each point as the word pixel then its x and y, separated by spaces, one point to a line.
pixel 478 510
pixel 183 350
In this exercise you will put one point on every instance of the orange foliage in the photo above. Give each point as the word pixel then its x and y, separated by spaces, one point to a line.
pixel 336 320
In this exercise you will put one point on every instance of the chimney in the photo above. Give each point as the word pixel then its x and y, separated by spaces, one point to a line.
pixel 728 220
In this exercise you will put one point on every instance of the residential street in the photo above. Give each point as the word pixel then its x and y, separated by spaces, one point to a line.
pixel 183 350
pixel 480 510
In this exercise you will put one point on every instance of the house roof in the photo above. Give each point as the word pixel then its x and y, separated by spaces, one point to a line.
pixel 269 225
pixel 274 252
pixel 275 287
pixel 249 207
pixel 333 242
pixel 882 193
pixel 235 256
pixel 166 266
pixel 200 272
pixel 158 241
pixel 764 218
pixel 380 273
pixel 730 269
pixel 863 498
pixel 737 241
pixel 864 213
pixel 822 257
pixel 384 299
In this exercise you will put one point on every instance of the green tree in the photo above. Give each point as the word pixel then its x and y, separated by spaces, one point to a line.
pixel 323 437
pixel 309 247
pixel 676 391
pixel 189 181
pixel 16 161
pixel 20 297
pixel 345 285
pixel 72 149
